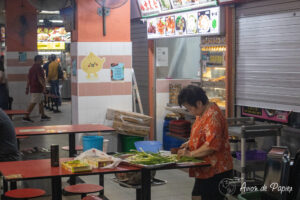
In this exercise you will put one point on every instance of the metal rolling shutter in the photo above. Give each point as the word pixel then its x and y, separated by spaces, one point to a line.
pixel 268 54
pixel 140 59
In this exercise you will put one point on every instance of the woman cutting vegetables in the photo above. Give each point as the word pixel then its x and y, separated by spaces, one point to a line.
pixel 209 141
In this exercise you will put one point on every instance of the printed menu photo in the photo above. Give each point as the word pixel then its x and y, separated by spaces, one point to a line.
pixel 148 7
pixel 165 5
pixel 192 2
pixel 177 3
pixel 161 26
pixel 151 28
pixel 204 21
pixel 191 23
pixel 170 25
pixel 180 24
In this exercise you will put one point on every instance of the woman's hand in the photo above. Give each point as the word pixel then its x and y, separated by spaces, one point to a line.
pixel 183 152
pixel 184 145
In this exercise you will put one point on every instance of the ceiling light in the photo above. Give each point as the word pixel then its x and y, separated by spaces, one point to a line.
pixel 56 12
pixel 52 20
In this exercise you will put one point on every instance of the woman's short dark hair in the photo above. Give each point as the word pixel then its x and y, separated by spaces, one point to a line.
pixel 191 94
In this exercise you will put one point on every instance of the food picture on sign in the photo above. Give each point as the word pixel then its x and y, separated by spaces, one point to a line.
pixel 149 6
pixel 165 4
pixel 170 25
pixel 204 21
pixel 180 25
pixel 55 34
pixel 161 26
pixel 191 2
pixel 192 23
pixel 177 3
pixel 151 26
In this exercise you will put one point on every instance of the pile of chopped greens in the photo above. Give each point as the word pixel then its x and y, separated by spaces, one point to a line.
pixel 188 159
pixel 150 158
pixel 144 158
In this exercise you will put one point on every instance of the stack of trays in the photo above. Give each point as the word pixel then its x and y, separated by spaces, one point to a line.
pixel 180 127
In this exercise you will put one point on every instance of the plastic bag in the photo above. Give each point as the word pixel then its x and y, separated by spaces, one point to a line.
pixel 99 154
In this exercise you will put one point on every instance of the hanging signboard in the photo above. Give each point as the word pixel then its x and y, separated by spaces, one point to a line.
pixel 150 8
pixel 51 46
pixel 268 114
pixel 199 22
pixel 54 34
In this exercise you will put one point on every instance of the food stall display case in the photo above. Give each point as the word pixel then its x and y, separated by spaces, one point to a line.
pixel 213 68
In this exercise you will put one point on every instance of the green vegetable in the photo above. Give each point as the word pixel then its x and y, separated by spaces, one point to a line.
pixel 150 158
pixel 188 159
pixel 144 158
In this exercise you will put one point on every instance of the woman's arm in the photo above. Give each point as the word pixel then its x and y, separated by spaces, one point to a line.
pixel 203 151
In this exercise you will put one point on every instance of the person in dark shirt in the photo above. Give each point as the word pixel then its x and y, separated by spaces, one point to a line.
pixel 8 141
pixel 36 84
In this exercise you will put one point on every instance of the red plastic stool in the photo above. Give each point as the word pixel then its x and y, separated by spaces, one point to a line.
pixel 92 197
pixel 25 193
pixel 77 148
pixel 83 189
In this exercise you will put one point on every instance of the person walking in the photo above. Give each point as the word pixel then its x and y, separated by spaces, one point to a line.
pixel 36 85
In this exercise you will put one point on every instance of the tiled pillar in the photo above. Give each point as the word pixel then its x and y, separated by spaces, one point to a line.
pixel 21 37
pixel 91 96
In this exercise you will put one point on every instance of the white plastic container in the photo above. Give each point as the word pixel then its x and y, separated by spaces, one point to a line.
pixel 105 145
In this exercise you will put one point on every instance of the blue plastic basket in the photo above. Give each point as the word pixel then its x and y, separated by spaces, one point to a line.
pixel 148 146
pixel 92 141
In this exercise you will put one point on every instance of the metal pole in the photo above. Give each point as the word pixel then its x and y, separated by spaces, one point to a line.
pixel 104 25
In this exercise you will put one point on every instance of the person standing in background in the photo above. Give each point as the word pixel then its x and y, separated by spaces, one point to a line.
pixel 46 65
pixel 36 85
pixel 53 71
pixel 4 94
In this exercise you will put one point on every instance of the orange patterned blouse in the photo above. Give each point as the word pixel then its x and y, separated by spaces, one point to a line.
pixel 211 129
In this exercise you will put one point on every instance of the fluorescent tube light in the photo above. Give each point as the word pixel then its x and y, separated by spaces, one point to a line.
pixel 49 12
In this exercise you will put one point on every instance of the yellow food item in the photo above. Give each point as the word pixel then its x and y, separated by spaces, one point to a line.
pixel 96 162
pixel 76 166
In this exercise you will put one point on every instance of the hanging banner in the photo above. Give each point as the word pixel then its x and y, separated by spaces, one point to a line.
pixel 200 22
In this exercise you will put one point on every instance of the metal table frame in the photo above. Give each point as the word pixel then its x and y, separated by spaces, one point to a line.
pixel 251 131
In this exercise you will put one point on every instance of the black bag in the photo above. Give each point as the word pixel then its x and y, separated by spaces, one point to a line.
pixel 60 73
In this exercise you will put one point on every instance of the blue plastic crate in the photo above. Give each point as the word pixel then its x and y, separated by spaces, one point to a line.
pixel 148 146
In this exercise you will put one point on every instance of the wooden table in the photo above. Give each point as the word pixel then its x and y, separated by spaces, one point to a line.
pixel 71 130
pixel 11 113
pixel 40 169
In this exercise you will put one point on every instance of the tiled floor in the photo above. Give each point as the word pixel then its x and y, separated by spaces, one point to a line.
pixel 178 187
